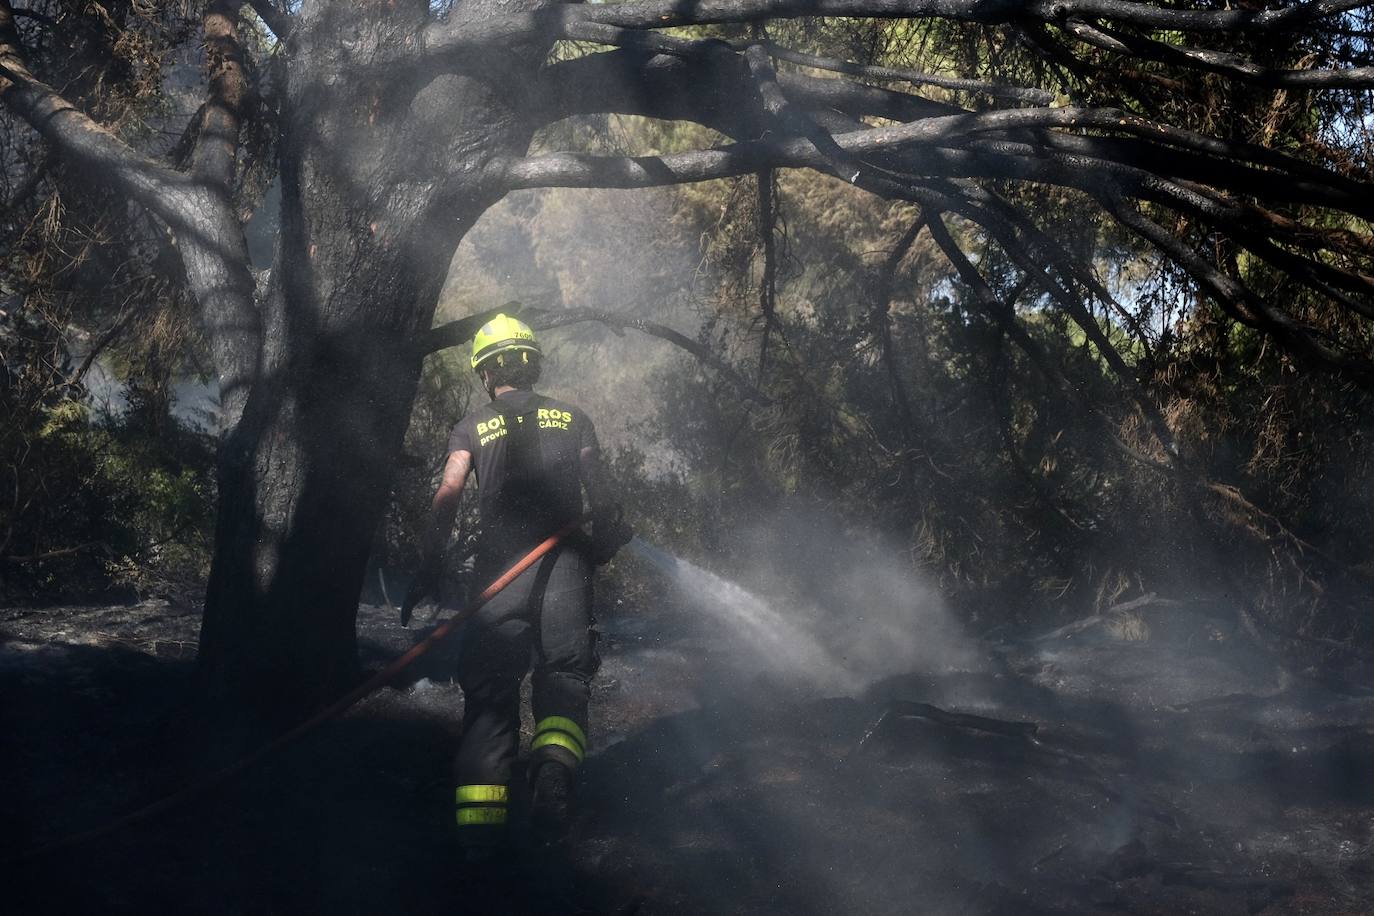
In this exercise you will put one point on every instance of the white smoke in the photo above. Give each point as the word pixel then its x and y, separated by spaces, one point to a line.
pixel 893 625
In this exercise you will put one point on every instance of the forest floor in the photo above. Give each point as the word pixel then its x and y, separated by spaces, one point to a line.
pixel 1176 775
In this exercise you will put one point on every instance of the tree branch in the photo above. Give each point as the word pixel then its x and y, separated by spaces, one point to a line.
pixel 1234 297
pixel 1005 317
pixel 1027 161
pixel 1054 252
pixel 768 283
pixel 1006 237
pixel 20 13
pixel 212 158
pixel 462 34
pixel 1214 210
pixel 578 170
pixel 790 120
pixel 55 554
pixel 915 78
pixel 278 20
pixel 75 135
pixel 705 81
pixel 195 206
pixel 454 333
pixel 216 254
pixel 103 341
pixel 658 14
pixel 881 316
pixel 709 89
pixel 1192 154
pixel 557 318
pixel 1233 65
pixel 1091 175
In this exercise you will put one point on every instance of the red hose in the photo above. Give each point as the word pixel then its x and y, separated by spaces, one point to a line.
pixel 219 777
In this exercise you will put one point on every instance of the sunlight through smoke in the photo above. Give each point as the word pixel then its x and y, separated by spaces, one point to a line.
pixel 826 650
pixel 784 646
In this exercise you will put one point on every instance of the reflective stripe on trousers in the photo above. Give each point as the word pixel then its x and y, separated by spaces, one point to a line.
pixel 560 731
pixel 543 621
pixel 481 805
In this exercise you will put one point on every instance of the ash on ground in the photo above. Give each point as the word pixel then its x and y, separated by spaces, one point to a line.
pixel 1186 773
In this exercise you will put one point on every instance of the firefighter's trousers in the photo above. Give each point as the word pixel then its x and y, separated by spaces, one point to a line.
pixel 541 620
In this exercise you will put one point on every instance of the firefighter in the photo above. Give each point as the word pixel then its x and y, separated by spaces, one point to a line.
pixel 533 457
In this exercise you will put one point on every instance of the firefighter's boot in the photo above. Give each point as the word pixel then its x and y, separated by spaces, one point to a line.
pixel 552 796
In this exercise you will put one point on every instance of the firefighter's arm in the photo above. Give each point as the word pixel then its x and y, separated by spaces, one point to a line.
pixel 442 511
pixel 610 531
pixel 444 507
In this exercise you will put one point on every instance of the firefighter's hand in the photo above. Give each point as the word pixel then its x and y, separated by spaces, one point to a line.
pixel 610 532
pixel 426 584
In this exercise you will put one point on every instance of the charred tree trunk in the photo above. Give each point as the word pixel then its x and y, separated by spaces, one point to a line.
pixel 380 180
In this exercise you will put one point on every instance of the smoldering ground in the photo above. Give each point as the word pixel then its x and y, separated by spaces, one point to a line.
pixel 1174 774
pixel 846 611
pixel 950 774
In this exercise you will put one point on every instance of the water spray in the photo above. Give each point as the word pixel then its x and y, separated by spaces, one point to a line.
pixel 780 643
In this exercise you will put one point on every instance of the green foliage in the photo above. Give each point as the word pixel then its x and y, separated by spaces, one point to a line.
pixel 104 503
pixel 95 502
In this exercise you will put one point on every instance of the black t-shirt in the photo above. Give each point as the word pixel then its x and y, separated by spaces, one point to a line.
pixel 525 450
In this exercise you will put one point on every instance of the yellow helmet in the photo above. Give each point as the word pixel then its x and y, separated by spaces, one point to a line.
pixel 502 335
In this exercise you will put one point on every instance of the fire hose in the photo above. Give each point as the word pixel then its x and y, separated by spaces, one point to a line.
pixel 338 707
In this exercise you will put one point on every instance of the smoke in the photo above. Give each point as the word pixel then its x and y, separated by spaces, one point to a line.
pixel 802 599
pixel 622 251
pixel 876 619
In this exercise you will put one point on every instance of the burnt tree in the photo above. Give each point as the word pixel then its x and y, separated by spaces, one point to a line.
pixel 400 125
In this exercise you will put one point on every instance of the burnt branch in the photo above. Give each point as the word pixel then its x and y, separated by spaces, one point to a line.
pixel 216 254
pixel 1223 62
pixel 21 13
pixel 790 120
pixel 212 157
pixel 619 322
pixel 881 317
pixel 455 333
pixel 710 83
pixel 1004 315
pixel 1027 94
pixel 1234 297
pixel 657 14
pixel 707 88
pixel 768 283
pixel 74 135
pixel 274 17
pixel 195 206
pixel 459 34
pixel 578 170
